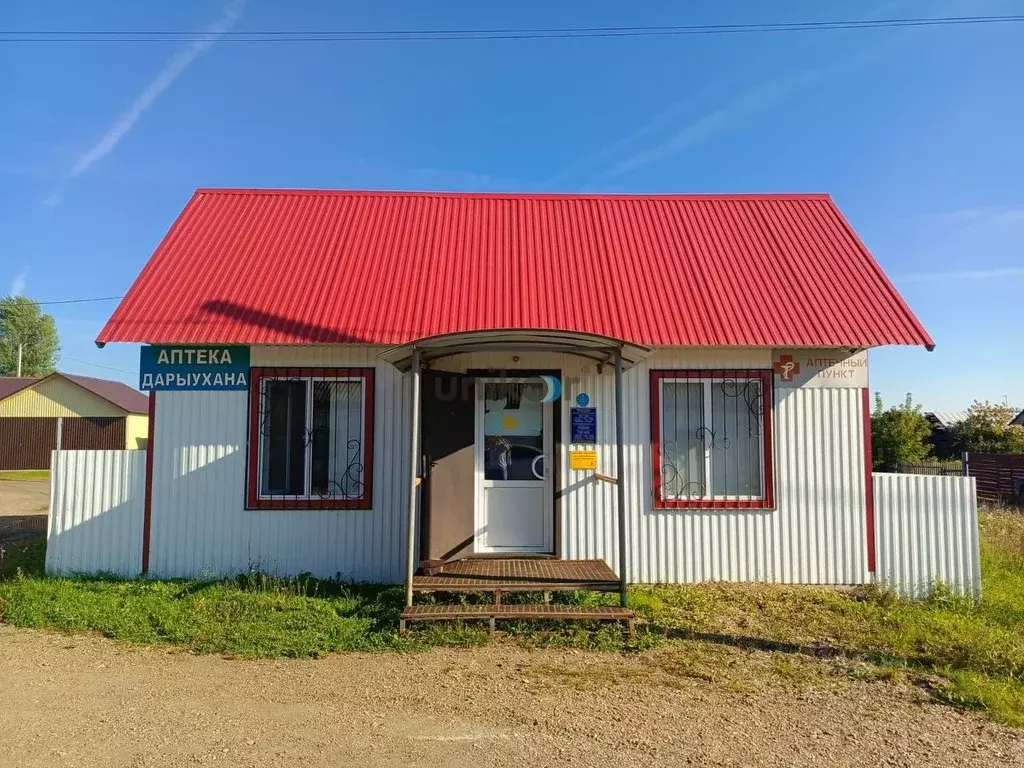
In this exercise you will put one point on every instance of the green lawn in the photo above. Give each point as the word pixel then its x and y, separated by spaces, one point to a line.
pixel 25 474
pixel 967 653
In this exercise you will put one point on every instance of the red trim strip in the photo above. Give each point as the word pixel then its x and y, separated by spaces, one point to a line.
pixel 253 501
pixel 656 436
pixel 147 514
pixel 768 501
pixel 869 482
pixel 767 403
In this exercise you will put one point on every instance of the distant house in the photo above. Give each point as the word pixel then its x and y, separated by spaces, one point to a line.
pixel 94 413
pixel 942 423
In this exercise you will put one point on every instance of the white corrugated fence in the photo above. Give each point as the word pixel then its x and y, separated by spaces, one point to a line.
pixel 926 532
pixel 97 503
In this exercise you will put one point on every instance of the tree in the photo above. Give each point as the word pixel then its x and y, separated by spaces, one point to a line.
pixel 987 429
pixel 22 322
pixel 899 434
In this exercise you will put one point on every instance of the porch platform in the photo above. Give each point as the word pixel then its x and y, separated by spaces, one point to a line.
pixel 518 575
pixel 519 611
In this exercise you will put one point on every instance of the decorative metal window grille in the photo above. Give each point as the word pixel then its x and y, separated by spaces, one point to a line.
pixel 310 444
pixel 711 435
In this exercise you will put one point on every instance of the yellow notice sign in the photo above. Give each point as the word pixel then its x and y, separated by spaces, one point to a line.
pixel 582 459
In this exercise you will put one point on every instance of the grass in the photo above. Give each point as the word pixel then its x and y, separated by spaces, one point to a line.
pixel 966 653
pixel 25 474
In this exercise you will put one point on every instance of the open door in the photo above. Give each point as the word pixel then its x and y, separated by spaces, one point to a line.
pixel 449 464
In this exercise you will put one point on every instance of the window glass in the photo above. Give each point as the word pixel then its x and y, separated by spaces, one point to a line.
pixel 682 435
pixel 312 438
pixel 337 439
pixel 711 439
pixel 514 431
pixel 735 438
pixel 283 436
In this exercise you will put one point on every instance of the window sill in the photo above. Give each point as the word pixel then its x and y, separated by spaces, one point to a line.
pixel 306 505
pixel 714 504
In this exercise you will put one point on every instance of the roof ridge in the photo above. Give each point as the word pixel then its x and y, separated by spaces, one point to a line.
pixel 516 195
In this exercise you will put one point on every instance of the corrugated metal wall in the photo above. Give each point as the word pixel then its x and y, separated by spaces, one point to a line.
pixel 199 521
pixel 96 511
pixel 817 533
pixel 996 473
pixel 927 531
pixel 26 443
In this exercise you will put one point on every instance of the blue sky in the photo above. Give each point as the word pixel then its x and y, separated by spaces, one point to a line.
pixel 915 132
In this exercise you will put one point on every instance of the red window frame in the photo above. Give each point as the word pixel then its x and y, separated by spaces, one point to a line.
pixel 256 377
pixel 767 501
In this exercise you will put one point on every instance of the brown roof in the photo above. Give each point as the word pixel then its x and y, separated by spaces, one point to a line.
pixel 114 392
pixel 11 384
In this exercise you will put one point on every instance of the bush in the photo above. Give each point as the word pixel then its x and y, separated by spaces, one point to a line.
pixel 987 429
pixel 899 435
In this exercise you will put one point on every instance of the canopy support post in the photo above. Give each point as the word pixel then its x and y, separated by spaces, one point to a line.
pixel 620 488
pixel 414 476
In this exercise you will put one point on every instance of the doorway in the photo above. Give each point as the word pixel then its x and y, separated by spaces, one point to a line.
pixel 514 499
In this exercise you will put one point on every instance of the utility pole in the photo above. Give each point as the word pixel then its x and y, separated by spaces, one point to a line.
pixel 19 360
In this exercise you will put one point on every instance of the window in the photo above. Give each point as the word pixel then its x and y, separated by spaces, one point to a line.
pixel 310 438
pixel 711 439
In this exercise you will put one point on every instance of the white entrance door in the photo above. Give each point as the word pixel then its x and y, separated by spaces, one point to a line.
pixel 513 467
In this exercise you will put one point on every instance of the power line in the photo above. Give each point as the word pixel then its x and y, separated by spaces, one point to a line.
pixel 283 36
pixel 74 301
pixel 97 365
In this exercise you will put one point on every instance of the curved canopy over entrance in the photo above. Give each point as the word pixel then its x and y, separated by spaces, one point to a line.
pixel 601 349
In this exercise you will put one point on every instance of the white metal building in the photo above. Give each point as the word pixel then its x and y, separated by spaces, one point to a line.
pixel 408 380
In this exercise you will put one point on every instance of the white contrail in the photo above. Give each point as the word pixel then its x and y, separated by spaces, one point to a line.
pixel 171 72
pixel 970 274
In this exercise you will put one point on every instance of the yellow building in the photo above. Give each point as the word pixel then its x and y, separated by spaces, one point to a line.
pixel 79 411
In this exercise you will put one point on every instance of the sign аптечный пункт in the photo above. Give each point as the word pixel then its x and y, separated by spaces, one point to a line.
pixel 193 368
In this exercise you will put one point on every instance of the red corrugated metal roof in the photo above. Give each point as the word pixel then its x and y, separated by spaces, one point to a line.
pixel 302 267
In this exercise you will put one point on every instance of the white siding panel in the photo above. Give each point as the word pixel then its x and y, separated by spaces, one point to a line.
pixel 199 522
pixel 97 501
pixel 815 535
pixel 927 532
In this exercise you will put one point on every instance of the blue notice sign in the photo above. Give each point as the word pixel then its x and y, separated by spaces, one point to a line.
pixel 582 399
pixel 583 425
pixel 192 368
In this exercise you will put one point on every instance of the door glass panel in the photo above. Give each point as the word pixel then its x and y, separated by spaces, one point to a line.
pixel 514 431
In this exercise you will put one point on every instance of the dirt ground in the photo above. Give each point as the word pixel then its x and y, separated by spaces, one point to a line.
pixel 23 507
pixel 86 701
pixel 24 497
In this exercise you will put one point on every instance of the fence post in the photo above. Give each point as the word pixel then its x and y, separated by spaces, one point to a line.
pixel 964 457
pixel 60 431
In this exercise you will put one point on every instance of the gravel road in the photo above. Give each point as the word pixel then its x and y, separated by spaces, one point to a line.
pixel 23 508
pixel 85 701
pixel 24 497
